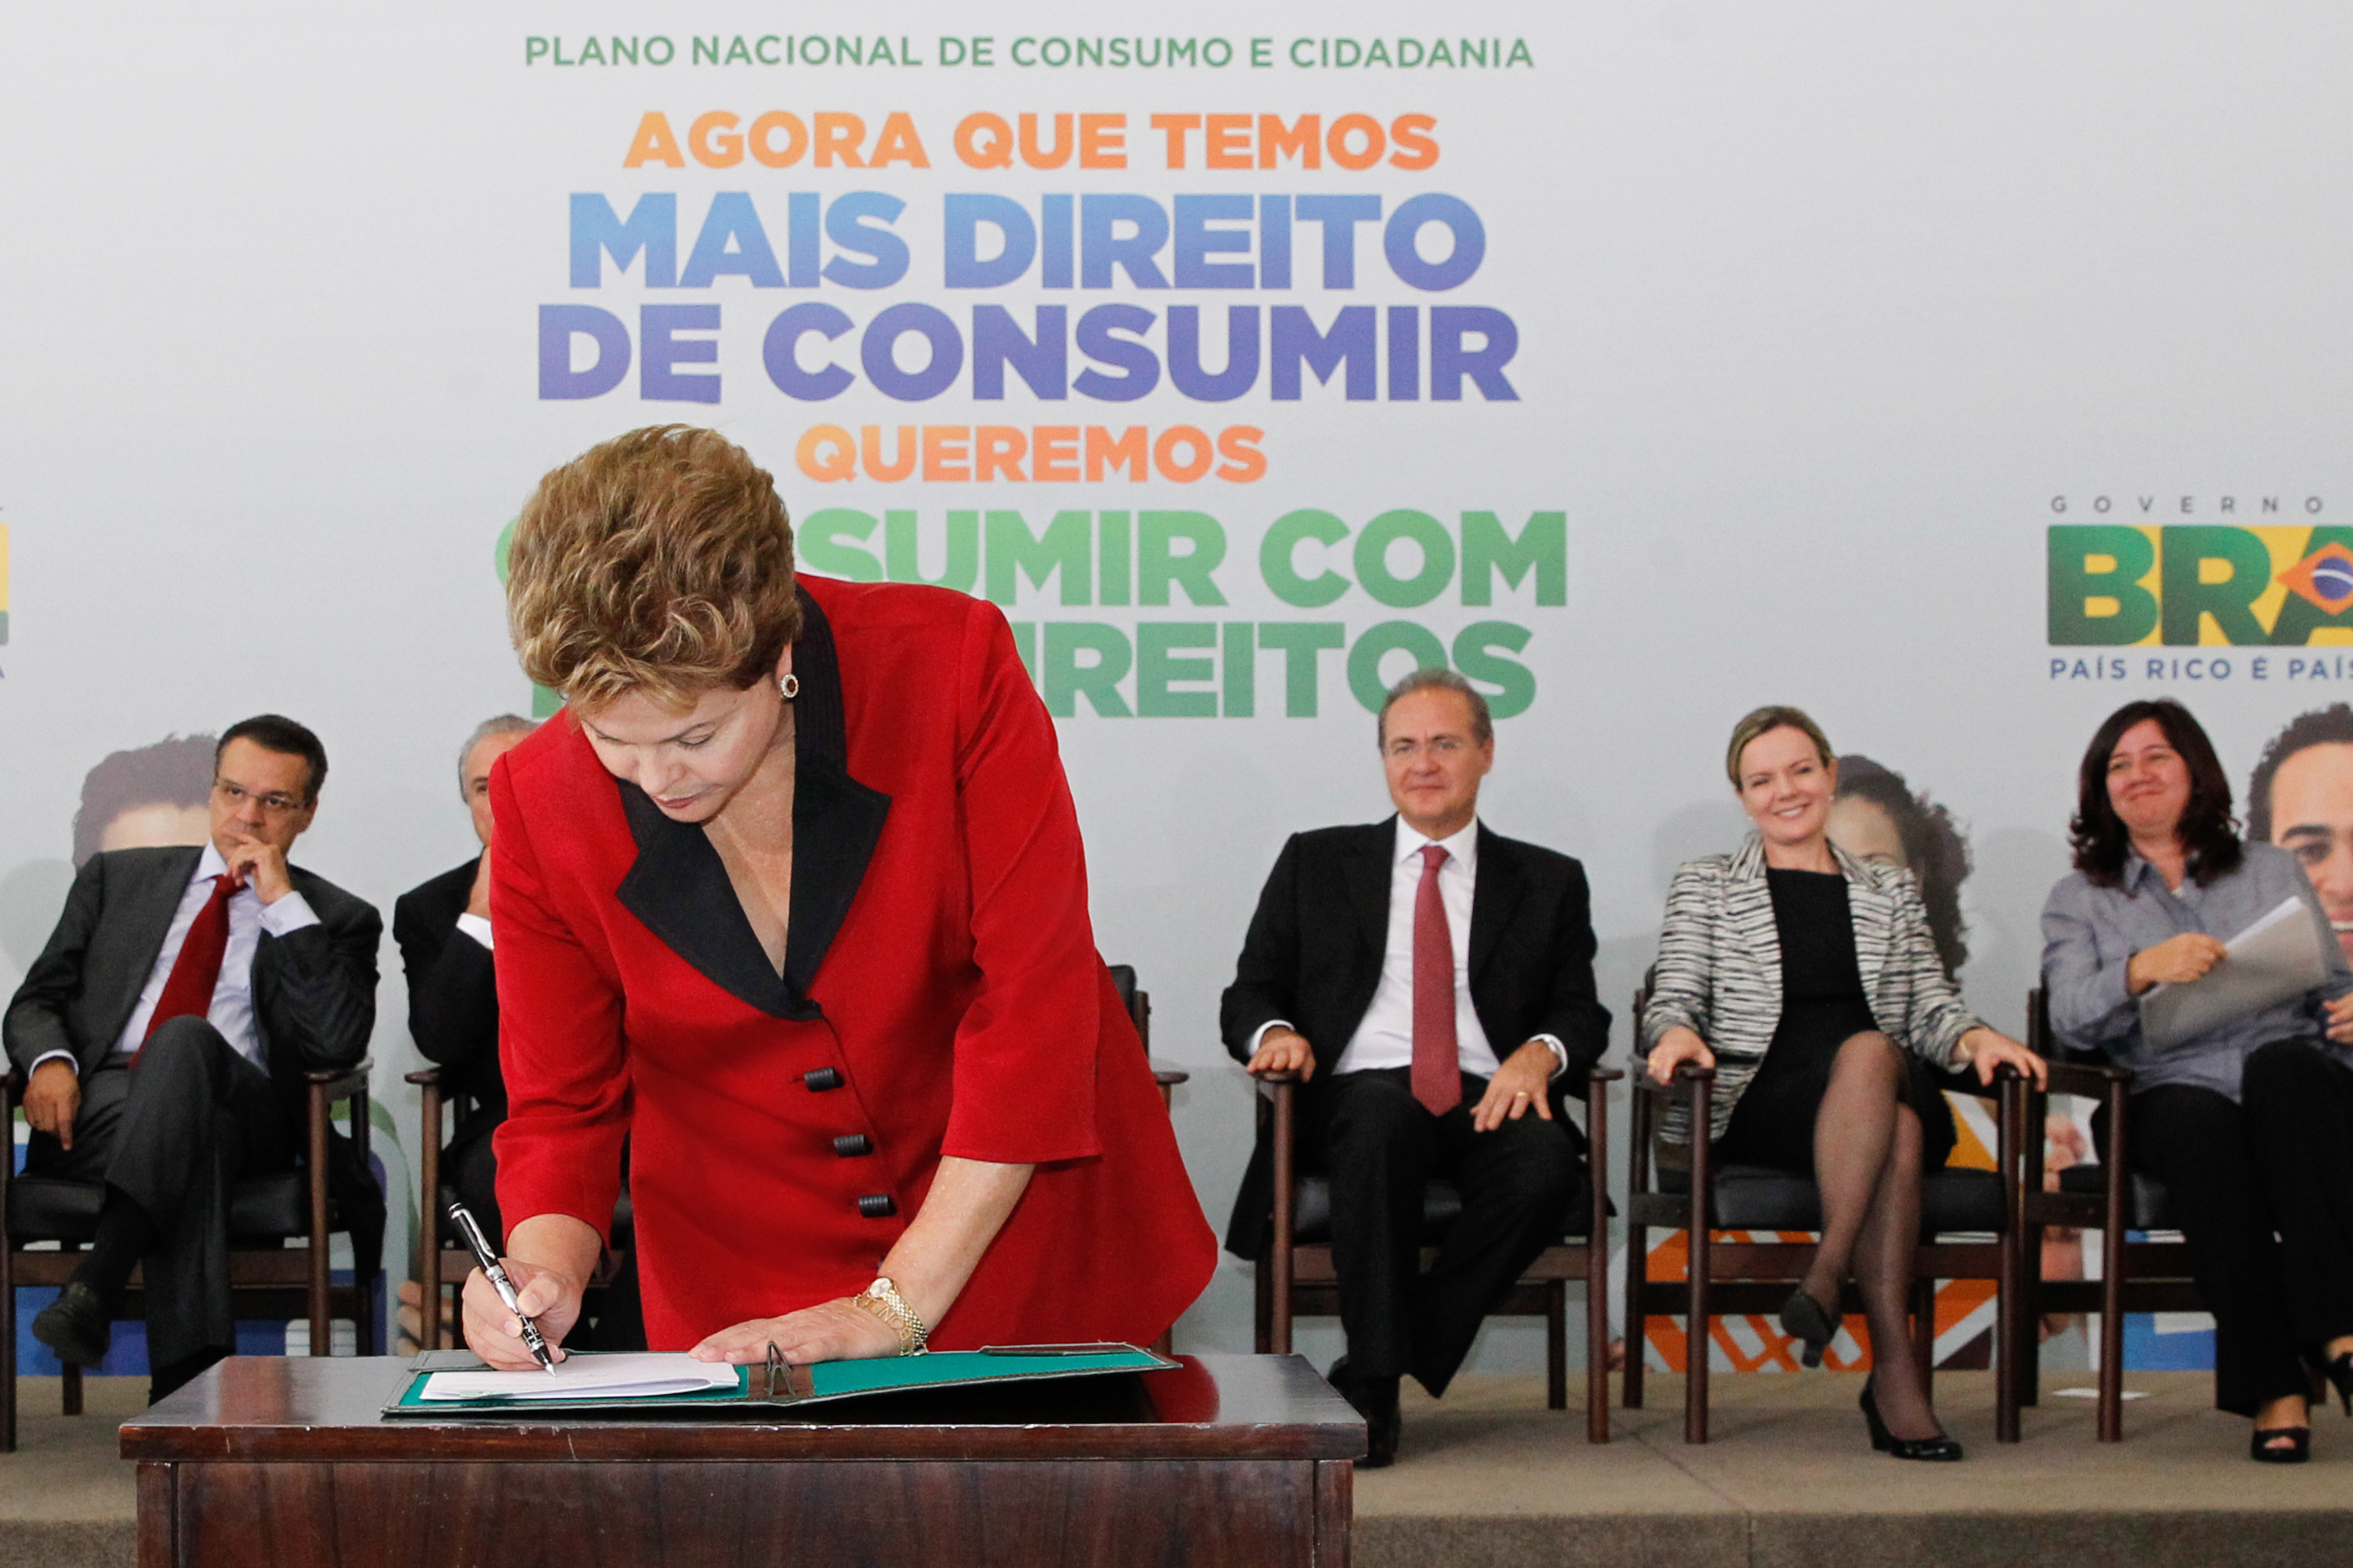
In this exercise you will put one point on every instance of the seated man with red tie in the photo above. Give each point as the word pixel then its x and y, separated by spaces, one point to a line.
pixel 164 1032
pixel 1432 983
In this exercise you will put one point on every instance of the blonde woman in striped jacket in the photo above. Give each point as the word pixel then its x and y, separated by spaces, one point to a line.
pixel 1807 980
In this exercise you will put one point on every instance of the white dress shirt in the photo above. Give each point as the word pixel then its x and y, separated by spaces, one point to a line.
pixel 232 1006
pixel 1384 1038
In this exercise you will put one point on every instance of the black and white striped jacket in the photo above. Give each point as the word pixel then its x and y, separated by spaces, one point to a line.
pixel 1719 972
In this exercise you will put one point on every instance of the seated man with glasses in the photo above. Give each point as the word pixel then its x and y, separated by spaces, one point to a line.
pixel 164 1032
pixel 1431 982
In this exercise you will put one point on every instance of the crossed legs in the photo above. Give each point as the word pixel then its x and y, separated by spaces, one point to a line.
pixel 1867 1153
pixel 168 1138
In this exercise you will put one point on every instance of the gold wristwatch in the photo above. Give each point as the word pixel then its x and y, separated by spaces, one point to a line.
pixel 882 1299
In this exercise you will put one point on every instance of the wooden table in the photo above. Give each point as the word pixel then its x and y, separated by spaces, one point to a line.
pixel 277 1461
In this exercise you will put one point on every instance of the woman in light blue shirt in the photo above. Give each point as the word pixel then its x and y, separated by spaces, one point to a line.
pixel 2250 1125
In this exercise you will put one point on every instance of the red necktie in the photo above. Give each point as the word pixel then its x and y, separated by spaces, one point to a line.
pixel 197 969
pixel 1437 1060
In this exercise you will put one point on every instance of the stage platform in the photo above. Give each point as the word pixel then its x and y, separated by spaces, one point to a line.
pixel 1490 1479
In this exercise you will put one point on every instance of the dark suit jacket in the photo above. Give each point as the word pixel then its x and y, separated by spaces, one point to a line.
pixel 313 990
pixel 453 998
pixel 1313 957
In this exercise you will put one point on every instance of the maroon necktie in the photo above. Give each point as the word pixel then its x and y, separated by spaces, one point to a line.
pixel 197 969
pixel 1437 1060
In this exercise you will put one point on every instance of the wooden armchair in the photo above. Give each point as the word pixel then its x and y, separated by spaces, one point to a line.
pixel 1295 1275
pixel 1757 1277
pixel 2144 1276
pixel 1138 1002
pixel 267 1278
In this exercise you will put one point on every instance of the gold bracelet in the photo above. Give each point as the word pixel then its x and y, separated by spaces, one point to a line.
pixel 882 1299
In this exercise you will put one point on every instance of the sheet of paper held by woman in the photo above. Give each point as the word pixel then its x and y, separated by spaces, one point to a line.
pixel 2274 960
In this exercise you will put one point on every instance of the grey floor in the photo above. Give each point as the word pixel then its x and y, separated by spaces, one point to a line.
pixel 1490 1477
pixel 66 1500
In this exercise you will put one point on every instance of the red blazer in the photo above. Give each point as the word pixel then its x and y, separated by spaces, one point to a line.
pixel 941 995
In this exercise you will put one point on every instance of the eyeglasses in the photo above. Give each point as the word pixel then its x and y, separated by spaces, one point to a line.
pixel 1440 746
pixel 274 803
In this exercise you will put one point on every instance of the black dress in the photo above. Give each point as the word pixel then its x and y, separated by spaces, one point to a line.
pixel 1823 1005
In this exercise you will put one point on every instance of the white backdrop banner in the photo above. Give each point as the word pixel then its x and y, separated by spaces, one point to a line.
pixel 1956 377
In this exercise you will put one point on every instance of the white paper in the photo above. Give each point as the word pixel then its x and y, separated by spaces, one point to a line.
pixel 2277 959
pixel 642 1376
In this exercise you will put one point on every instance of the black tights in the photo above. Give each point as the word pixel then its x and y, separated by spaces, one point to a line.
pixel 1867 1150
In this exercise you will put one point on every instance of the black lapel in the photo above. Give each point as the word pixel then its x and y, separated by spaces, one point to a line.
pixel 837 821
pixel 1502 882
pixel 1367 868
pixel 679 886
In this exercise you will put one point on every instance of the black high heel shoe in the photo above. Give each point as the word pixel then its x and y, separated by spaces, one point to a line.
pixel 1939 1448
pixel 2260 1449
pixel 1809 1322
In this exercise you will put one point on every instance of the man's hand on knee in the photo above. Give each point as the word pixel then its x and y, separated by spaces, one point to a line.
pixel 53 1099
pixel 1517 1088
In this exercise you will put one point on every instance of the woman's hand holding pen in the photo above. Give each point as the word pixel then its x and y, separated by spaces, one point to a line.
pixel 550 1299
pixel 549 1257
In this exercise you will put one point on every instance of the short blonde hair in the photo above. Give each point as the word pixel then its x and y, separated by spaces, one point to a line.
pixel 1764 720
pixel 660 562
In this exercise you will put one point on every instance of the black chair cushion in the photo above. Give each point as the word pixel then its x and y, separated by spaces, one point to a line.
pixel 2147 1206
pixel 261 1208
pixel 1759 1198
pixel 1441 1205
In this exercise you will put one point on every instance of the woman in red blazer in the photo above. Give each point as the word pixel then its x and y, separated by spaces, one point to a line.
pixel 793 898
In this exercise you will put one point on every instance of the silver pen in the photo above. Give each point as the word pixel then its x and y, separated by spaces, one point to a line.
pixel 497 1276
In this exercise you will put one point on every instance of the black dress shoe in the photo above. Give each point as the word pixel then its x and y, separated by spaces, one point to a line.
pixel 1376 1399
pixel 74 1325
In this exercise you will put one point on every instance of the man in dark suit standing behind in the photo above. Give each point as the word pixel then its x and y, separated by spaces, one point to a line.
pixel 443 927
pixel 164 1033
pixel 1431 982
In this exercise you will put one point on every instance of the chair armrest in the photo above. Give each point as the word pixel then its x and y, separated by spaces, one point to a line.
pixel 1686 1076
pixel 2086 1079
pixel 423 1076
pixel 340 1083
pixel 1166 1074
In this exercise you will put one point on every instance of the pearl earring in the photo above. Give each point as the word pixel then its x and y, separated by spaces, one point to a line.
pixel 790 686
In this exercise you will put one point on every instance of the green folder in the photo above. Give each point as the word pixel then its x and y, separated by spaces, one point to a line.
pixel 781 1383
